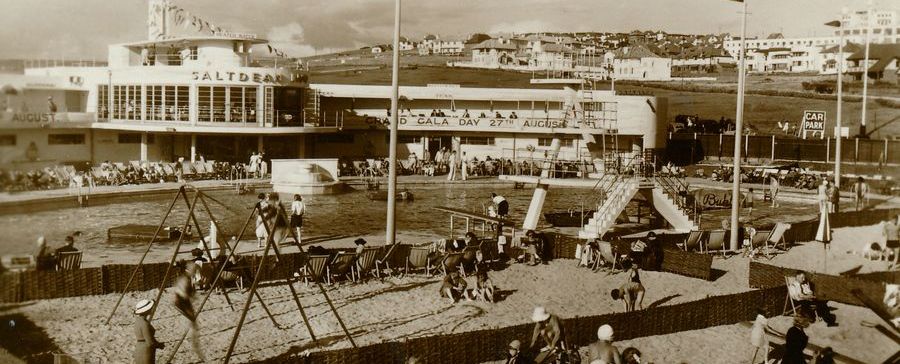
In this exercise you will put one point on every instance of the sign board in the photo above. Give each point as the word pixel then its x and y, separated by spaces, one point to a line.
pixel 524 125
pixel 813 121
pixel 844 132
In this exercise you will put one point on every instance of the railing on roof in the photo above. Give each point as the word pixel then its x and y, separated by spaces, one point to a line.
pixel 62 62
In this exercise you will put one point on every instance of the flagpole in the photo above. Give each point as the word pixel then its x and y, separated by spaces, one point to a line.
pixel 391 231
pixel 734 244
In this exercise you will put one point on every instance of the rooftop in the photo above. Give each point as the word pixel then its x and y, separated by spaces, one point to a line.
pixel 634 52
pixel 494 44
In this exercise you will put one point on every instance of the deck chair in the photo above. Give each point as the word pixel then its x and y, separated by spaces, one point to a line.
pixel 777 235
pixel 69 261
pixel 120 166
pixel 715 242
pixel 794 295
pixel 187 169
pixel 759 242
pixel 692 241
pixel 135 164
pixel 314 268
pixel 366 262
pixel 418 259
pixel 341 265
pixel 386 260
pixel 210 168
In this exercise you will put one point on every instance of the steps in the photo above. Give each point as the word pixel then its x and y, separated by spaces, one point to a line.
pixel 619 194
pixel 670 211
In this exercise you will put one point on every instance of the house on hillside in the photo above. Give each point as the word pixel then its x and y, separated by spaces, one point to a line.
pixel 427 45
pixel 406 44
pixel 552 56
pixel 494 53
pixel 883 62
pixel 831 57
pixel 450 47
pixel 637 62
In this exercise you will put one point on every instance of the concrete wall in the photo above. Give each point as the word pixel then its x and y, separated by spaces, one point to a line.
pixel 15 157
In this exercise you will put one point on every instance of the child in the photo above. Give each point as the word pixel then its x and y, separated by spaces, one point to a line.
pixel 484 288
pixel 454 287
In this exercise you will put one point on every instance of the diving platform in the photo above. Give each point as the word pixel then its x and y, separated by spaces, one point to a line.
pixel 547 181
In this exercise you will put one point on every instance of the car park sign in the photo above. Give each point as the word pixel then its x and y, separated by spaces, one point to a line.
pixel 814 122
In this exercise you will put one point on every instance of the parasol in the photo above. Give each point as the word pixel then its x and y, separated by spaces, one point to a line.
pixel 823 234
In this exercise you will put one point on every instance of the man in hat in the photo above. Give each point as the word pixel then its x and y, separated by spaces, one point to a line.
pixel 603 351
pixel 146 346
pixel 548 328
pixel 512 353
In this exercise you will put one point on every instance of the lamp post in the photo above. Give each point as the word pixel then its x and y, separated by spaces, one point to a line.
pixel 391 229
pixel 865 70
pixel 838 121
pixel 734 244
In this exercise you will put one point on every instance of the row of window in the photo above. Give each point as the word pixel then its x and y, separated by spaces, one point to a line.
pixel 8 140
pixel 172 103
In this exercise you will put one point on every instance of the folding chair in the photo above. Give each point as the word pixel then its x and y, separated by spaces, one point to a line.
pixel 468 259
pixel 715 242
pixel 692 241
pixel 386 259
pixel 777 236
pixel 315 267
pixel 794 294
pixel 760 242
pixel 69 261
pixel 366 262
pixel 341 265
pixel 418 259
pixel 187 170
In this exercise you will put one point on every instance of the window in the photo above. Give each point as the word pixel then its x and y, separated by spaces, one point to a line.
pixel 564 142
pixel 126 102
pixel 477 140
pixel 7 140
pixel 134 138
pixel 65 139
pixel 404 139
pixel 335 138
pixel 102 101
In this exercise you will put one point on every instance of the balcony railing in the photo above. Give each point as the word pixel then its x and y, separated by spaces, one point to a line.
pixel 220 116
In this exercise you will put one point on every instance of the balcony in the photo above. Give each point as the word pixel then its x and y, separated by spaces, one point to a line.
pixel 28 119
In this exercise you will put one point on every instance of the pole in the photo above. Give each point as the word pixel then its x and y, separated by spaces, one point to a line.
pixel 391 231
pixel 734 244
pixel 865 70
pixel 840 93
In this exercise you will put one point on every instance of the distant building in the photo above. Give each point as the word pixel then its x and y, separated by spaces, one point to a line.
pixel 377 49
pixel 551 56
pixel 639 63
pixel 883 62
pixel 494 53
pixel 450 47
pixel 830 57
pixel 885 27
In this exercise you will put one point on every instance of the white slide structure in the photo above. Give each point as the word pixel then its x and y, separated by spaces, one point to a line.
pixel 620 193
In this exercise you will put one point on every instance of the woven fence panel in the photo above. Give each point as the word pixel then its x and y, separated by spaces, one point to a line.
pixel 40 285
pixel 115 277
pixel 80 282
pixel 11 287
pixel 153 275
pixel 827 287
pixel 688 264
pixel 563 246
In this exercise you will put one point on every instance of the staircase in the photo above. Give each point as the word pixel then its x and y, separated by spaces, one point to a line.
pixel 670 205
pixel 618 191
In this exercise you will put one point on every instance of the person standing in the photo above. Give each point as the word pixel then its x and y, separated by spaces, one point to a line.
pixel 834 198
pixel 822 196
pixel 758 336
pixel 253 164
pixel 439 160
pixel 452 161
pixel 860 192
pixel 261 232
pixel 774 186
pixel 464 166
pixel 298 208
pixel 145 335
pixel 183 302
pixel 748 202
pixel 78 182
pixel 795 341
pixel 892 239
pixel 51 108
pixel 263 165
pixel 502 205
pixel 603 351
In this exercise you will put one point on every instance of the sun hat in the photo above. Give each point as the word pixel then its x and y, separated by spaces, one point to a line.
pixel 143 306
pixel 360 241
pixel 605 333
pixel 540 314
pixel 515 344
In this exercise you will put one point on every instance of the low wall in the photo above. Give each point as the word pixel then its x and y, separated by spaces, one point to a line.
pixel 827 287
pixel 487 345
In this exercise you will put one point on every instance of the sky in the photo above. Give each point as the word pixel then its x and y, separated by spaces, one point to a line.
pixel 82 29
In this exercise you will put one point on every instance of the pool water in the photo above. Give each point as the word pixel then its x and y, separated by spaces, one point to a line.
pixel 345 214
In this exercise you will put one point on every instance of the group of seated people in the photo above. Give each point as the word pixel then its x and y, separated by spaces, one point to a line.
pixel 35 179
pixel 796 177
pixel 45 259
pixel 438 113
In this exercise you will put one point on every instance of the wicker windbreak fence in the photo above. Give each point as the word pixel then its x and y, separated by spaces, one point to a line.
pixel 827 287
pixel 487 345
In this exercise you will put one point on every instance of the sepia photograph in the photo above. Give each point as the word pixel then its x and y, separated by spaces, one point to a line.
pixel 431 182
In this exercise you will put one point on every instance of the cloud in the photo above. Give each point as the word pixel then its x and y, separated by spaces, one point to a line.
pixel 290 39
pixel 525 26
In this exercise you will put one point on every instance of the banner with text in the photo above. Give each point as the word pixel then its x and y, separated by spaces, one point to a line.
pixel 524 125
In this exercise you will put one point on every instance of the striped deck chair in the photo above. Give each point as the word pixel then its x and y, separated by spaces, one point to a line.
pixel 315 267
pixel 187 170
pixel 715 242
pixel 200 169
pixel 692 242
pixel 135 164
pixel 777 235
pixel 69 261
pixel 395 255
pixel 341 265
pixel 99 175
pixel 120 166
pixel 366 262
pixel 418 259
pixel 210 168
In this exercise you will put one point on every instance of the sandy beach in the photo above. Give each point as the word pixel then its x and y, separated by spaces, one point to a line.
pixel 407 307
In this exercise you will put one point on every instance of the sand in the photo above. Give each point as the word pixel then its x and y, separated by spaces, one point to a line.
pixel 410 307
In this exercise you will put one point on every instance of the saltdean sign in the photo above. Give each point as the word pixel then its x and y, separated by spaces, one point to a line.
pixel 237 77
pixel 485 124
